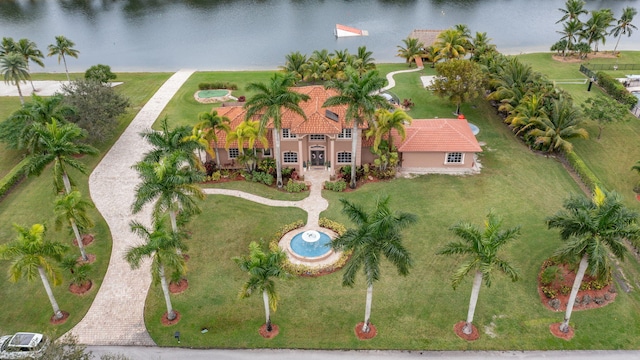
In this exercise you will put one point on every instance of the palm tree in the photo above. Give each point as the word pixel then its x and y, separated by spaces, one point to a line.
pixel 247 132
pixel 525 115
pixel 62 48
pixel 572 11
pixel 595 30
pixel 571 29
pixel 624 25
pixel 294 64
pixel 385 121
pixel 7 45
pixel 59 144
pixel 411 50
pixel 268 103
pixel 72 209
pixel 160 245
pixel 31 254
pixel 590 227
pixel 171 185
pixel 377 233
pixel 29 50
pixel 363 61
pixel 481 250
pixel 360 95
pixel 451 44
pixel 554 131
pixel 481 44
pixel 168 141
pixel 262 268
pixel 210 123
pixel 14 69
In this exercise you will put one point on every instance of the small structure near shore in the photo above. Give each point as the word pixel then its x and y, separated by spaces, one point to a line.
pixel 347 31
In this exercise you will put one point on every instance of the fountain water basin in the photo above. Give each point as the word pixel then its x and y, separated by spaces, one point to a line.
pixel 310 247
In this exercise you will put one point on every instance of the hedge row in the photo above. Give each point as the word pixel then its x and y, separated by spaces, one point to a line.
pixel 16 174
pixel 586 175
pixel 217 85
pixel 616 90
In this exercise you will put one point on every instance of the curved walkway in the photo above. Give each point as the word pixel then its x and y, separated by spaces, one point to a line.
pixel 116 316
pixel 392 82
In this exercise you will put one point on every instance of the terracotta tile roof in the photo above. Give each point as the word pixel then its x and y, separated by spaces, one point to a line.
pixel 236 115
pixel 437 135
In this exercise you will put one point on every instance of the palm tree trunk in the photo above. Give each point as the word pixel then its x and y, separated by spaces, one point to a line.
pixel 564 327
pixel 265 299
pixel 617 42
pixel 20 92
pixel 171 315
pixel 74 226
pixel 174 226
pixel 47 287
pixel 217 154
pixel 475 291
pixel 367 311
pixel 354 148
pixel 67 182
pixel 276 138
pixel 65 67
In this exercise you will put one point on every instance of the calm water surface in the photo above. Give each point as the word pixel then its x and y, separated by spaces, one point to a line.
pixel 249 34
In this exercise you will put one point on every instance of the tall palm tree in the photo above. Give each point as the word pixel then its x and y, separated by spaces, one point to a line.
pixel 247 132
pixel 480 44
pixel 14 70
pixel 590 227
pixel 595 30
pixel 451 44
pixel 572 10
pixel 168 141
pixel 160 245
pixel 171 184
pixel 294 64
pixel 411 50
pixel 385 121
pixel 210 123
pixel 63 48
pixel 480 247
pixel 553 132
pixel 268 103
pixel 570 31
pixel 71 209
pixel 263 267
pixel 7 45
pixel 377 233
pixel 363 61
pixel 624 25
pixel 360 95
pixel 59 144
pixel 29 50
pixel 30 254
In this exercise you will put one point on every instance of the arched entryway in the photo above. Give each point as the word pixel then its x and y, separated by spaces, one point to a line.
pixel 317 155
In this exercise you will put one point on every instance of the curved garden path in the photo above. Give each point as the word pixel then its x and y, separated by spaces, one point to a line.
pixel 116 316
pixel 392 82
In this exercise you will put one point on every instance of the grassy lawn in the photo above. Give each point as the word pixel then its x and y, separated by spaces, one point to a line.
pixel 258 189
pixel 32 202
pixel 416 312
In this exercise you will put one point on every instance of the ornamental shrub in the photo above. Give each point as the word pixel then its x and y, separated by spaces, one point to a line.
pixel 590 179
pixel 337 186
pixel 295 186
pixel 615 89
pixel 13 177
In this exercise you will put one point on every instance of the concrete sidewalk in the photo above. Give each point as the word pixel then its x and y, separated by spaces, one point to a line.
pixel 116 316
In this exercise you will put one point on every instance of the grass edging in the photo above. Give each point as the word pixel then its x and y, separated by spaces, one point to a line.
pixel 587 176
pixel 13 177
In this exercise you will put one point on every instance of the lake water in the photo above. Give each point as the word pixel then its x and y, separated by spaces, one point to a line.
pixel 163 35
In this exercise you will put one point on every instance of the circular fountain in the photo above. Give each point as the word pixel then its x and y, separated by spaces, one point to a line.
pixel 311 247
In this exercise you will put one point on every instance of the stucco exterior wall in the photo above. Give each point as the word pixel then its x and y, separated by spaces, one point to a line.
pixel 433 160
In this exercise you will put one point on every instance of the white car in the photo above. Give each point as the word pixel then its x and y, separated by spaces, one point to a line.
pixel 22 345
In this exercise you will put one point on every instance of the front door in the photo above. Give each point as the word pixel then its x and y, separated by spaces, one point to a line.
pixel 317 157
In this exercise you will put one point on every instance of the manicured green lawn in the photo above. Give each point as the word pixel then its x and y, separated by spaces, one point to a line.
pixel 27 307
pixel 259 189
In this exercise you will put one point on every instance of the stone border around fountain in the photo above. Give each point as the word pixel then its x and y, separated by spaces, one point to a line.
pixel 329 258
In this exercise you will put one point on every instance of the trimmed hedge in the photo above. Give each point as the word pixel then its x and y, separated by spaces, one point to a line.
pixel 616 90
pixel 586 175
pixel 13 177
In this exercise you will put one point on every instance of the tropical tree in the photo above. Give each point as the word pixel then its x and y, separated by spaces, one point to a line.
pixel 363 61
pixel 459 81
pixel 247 132
pixel 572 10
pixel 31 254
pixel 168 141
pixel 160 246
pixel 385 121
pixel 63 48
pixel 604 110
pixel 14 70
pixel 59 144
pixel 100 73
pixel 377 233
pixel 481 44
pixel 570 31
pixel 209 124
pixel 451 44
pixel 30 52
pixel 595 30
pixel 592 228
pixel 171 184
pixel 268 104
pixel 294 64
pixel 480 248
pixel 411 50
pixel 71 209
pixel 552 133
pixel 262 267
pixel 7 45
pixel 624 25
pixel 360 95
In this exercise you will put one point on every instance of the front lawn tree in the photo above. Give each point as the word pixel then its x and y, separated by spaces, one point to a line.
pixel 360 95
pixel 168 141
pixel 269 102
pixel 262 267
pixel 459 81
pixel 32 255
pixel 604 110
pixel 480 248
pixel 377 233
pixel 592 229
pixel 63 48
pixel 210 123
pixel 71 209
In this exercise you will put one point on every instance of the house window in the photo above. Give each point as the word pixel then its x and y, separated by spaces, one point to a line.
pixel 290 157
pixel 266 152
pixel 286 134
pixel 316 137
pixel 344 157
pixel 233 153
pixel 454 158
pixel 345 134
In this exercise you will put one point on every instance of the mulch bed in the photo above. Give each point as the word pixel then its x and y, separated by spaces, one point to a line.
pixel 167 322
pixel 577 59
pixel 91 258
pixel 179 287
pixel 475 334
pixel 87 239
pixel 365 335
pixel 81 289
pixel 275 330
pixel 555 330
pixel 54 321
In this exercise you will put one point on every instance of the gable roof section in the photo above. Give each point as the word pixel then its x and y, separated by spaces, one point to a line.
pixel 437 135
pixel 427 37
